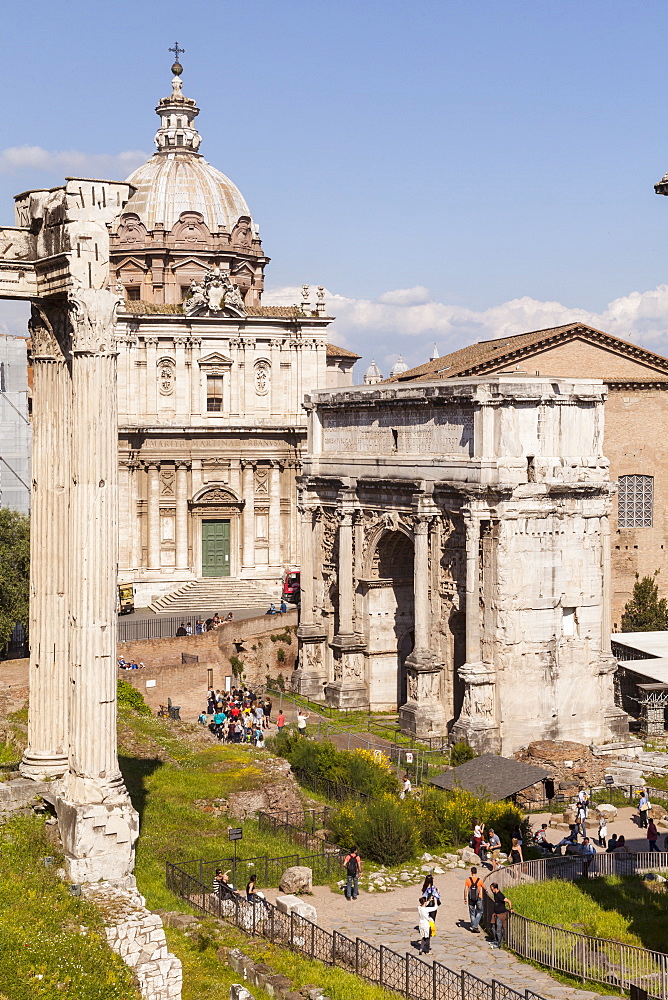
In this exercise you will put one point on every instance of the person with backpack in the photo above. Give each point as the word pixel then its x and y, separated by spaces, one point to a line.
pixel 353 866
pixel 473 898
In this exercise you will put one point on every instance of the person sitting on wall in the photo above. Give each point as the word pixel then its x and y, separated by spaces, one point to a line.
pixel 222 886
pixel 541 839
pixel 568 842
pixel 271 610
pixel 229 617
pixel 215 620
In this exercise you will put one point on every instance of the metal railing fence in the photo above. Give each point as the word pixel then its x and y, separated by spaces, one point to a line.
pixel 335 790
pixel 325 865
pixel 297 833
pixel 407 975
pixel 154 627
pixel 579 955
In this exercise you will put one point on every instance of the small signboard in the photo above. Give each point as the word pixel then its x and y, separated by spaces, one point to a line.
pixel 409 758
pixel 235 833
pixel 150 684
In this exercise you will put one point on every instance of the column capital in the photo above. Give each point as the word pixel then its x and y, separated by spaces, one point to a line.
pixel 180 341
pixel 151 464
pixel 92 314
pixel 248 463
pixel 150 341
pixel 183 463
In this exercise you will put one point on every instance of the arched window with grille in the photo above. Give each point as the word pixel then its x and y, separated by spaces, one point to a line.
pixel 635 501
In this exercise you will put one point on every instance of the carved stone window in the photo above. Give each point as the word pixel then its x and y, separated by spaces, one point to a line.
pixel 214 394
pixel 635 501
pixel 166 376
pixel 262 377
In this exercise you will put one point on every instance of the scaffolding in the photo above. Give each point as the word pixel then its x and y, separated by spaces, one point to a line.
pixel 653 702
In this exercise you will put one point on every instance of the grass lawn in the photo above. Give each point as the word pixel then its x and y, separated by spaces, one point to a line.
pixel 166 769
pixel 52 944
pixel 622 909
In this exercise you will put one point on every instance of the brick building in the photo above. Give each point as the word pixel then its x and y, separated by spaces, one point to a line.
pixel 635 436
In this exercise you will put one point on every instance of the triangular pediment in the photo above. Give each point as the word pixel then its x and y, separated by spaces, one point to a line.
pixel 188 262
pixel 214 359
pixel 574 350
pixel 131 262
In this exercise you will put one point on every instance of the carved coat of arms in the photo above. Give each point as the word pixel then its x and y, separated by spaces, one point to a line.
pixel 214 296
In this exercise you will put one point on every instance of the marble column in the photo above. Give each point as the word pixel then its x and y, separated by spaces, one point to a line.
pixel 615 718
pixel 98 825
pixel 275 469
pixel 310 676
pixel 153 515
pixel 478 722
pixel 47 753
pixel 248 516
pixel 423 713
pixel 181 526
pixel 347 688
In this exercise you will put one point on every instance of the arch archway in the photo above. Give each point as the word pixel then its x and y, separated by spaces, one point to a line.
pixel 389 612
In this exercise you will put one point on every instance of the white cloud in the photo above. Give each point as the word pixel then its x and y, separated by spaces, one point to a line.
pixel 21 159
pixel 408 322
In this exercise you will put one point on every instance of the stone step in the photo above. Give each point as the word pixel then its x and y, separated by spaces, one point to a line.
pixel 205 597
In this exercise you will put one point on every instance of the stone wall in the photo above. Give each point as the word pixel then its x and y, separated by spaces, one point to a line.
pixel 138 936
pixel 187 683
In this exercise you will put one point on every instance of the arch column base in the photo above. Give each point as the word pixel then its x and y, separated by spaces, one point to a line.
pixel 43 766
pixel 348 688
pixel 310 676
pixel 478 724
pixel 423 714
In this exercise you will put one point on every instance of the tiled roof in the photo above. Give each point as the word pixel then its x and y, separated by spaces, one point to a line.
pixel 334 351
pixel 497 777
pixel 486 354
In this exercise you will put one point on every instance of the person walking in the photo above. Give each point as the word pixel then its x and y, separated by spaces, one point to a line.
pixel 407 788
pixel 602 832
pixel 353 866
pixel 280 722
pixel 494 848
pixel 473 899
pixel 478 834
pixel 424 926
pixel 432 895
pixel 643 809
pixel 501 907
pixel 588 855
pixel 266 708
pixel 302 719
pixel 652 836
pixel 516 855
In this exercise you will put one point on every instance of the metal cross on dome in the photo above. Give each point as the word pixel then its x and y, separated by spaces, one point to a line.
pixel 176 50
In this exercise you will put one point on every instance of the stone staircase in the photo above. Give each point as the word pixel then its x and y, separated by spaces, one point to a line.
pixel 205 597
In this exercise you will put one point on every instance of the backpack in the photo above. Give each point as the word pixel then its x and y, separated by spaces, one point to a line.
pixel 474 891
pixel 351 866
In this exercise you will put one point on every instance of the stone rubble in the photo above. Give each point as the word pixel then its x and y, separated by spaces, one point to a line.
pixel 138 936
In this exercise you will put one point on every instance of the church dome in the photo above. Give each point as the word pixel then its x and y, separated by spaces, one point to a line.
pixel 399 367
pixel 179 181
pixel 177 178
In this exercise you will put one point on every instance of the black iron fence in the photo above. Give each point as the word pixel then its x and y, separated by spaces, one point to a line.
pixel 326 865
pixel 407 975
pixel 301 831
pixel 154 627
pixel 335 790
pixel 583 956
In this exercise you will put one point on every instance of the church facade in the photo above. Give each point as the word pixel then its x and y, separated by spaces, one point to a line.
pixel 211 382
pixel 456 558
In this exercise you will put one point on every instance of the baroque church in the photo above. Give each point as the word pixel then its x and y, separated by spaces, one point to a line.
pixel 210 381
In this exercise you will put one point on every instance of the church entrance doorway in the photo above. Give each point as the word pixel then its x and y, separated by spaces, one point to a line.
pixel 215 548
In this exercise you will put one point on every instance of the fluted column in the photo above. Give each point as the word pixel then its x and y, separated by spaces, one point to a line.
pixel 472 590
pixel 248 515
pixel 346 573
pixel 275 514
pixel 606 617
pixel 181 525
pixel 47 753
pixel 153 515
pixel 306 618
pixel 98 825
pixel 421 584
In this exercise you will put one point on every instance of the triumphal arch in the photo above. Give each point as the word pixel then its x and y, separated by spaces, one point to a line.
pixel 57 258
pixel 456 558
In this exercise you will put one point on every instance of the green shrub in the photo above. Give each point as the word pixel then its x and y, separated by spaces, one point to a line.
pixel 385 830
pixel 130 697
pixel 280 654
pixel 357 768
pixel 237 667
pixel 447 818
pixel 460 753
pixel 280 682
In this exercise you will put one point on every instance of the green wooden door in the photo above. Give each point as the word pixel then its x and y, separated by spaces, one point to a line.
pixel 215 548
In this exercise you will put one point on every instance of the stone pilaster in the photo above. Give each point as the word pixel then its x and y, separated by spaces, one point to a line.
pixel 478 720
pixel 98 825
pixel 311 675
pixel 248 516
pixel 347 689
pixel 616 719
pixel 275 515
pixel 153 515
pixel 47 753
pixel 181 526
pixel 423 713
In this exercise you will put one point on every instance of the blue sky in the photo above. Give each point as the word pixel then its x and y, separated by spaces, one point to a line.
pixel 448 170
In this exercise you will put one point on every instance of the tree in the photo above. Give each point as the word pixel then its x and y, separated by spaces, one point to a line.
pixel 14 572
pixel 645 612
